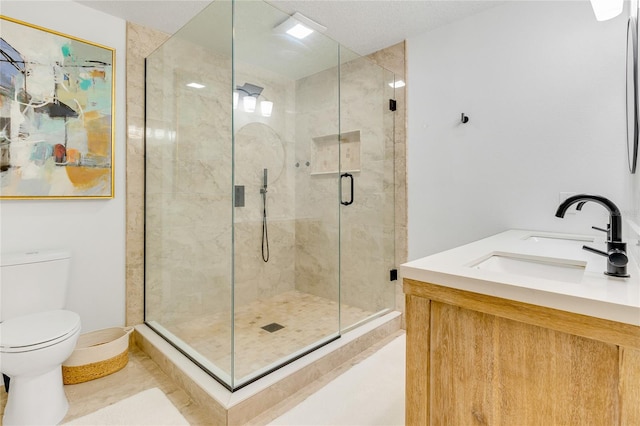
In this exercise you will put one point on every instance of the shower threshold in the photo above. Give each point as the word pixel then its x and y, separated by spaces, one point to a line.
pixel 222 376
pixel 263 397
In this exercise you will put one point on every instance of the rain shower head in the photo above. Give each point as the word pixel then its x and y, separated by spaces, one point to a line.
pixel 250 94
pixel 250 89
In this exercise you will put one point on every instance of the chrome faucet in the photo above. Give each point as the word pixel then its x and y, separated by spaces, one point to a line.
pixel 616 253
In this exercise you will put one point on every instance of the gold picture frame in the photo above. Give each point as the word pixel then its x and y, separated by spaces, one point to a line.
pixel 57 114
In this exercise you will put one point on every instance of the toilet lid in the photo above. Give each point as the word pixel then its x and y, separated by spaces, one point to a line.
pixel 28 332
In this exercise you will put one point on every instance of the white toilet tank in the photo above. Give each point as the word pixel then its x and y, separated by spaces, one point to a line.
pixel 34 281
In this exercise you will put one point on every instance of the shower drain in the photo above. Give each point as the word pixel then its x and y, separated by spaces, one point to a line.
pixel 274 326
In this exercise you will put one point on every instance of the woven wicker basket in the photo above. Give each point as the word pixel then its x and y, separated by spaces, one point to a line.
pixel 97 354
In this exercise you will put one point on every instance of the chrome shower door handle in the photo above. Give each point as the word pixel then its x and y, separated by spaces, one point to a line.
pixel 350 176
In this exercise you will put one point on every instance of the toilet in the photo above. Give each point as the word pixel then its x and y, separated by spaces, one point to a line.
pixel 36 335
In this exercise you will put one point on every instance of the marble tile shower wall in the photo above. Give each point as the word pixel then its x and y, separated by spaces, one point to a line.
pixel 188 212
pixel 141 42
pixel 317 227
pixel 265 143
pixel 314 230
pixel 367 240
pixel 189 172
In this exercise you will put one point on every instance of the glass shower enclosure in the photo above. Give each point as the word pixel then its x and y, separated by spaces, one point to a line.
pixel 269 197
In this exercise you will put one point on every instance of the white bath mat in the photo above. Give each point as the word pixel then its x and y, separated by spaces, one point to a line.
pixel 150 407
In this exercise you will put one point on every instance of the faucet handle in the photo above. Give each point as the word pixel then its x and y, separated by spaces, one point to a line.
pixel 602 229
pixel 617 259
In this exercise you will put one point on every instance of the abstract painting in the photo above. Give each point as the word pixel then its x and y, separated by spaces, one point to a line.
pixel 56 114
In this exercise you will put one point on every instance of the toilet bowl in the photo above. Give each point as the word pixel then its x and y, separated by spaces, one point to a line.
pixel 32 350
pixel 36 334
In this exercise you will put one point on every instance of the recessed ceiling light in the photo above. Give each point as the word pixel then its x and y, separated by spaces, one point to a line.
pixel 299 31
pixel 397 84
pixel 196 85
pixel 299 26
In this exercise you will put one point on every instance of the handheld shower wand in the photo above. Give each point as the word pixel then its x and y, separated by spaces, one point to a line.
pixel 265 236
pixel 264 181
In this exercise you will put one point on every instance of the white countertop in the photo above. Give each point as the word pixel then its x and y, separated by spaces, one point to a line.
pixel 584 289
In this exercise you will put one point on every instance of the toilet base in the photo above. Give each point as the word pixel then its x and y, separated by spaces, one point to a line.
pixel 36 400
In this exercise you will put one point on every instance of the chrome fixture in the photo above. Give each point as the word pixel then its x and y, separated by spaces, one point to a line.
pixel 616 253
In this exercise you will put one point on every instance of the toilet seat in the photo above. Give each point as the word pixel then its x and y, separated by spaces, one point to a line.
pixel 36 331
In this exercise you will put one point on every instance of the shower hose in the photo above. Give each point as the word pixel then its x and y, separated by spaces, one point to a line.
pixel 265 235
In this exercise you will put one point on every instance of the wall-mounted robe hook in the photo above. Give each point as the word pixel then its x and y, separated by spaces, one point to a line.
pixel 463 118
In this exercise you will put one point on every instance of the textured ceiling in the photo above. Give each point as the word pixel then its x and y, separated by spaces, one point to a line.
pixel 363 26
pixel 366 26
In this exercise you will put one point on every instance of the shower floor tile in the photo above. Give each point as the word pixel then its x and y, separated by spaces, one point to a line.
pixel 305 319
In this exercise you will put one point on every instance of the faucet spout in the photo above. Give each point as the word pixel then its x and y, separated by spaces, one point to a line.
pixel 616 253
pixel 615 217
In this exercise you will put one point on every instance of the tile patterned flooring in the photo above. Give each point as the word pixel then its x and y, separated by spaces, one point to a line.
pixel 306 320
pixel 140 373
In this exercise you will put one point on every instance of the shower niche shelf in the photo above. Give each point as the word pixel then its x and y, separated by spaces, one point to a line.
pixel 325 153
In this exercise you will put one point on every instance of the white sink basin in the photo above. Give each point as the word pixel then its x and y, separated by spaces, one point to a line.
pixel 558 240
pixel 533 266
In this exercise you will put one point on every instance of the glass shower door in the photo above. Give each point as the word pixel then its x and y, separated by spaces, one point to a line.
pixel 367 238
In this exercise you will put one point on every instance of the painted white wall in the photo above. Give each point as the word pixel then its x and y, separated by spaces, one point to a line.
pixel 93 230
pixel 544 86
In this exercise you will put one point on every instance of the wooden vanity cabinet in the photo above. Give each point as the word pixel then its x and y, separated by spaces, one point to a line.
pixel 474 359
